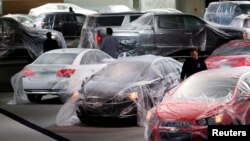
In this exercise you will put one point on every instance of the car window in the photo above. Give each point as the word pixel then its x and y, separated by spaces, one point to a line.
pixel 212 8
pixel 93 57
pixel 245 8
pixel 110 21
pixel 170 22
pixel 191 22
pixel 80 18
pixel 231 50
pixel 56 58
pixel 132 18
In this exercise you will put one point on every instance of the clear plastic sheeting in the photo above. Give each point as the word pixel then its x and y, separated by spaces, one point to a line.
pixel 68 23
pixel 242 21
pixel 168 10
pixel 211 97
pixel 59 7
pixel 59 72
pixel 24 19
pixel 115 9
pixel 223 12
pixel 231 54
pixel 16 36
pixel 163 33
pixel 126 88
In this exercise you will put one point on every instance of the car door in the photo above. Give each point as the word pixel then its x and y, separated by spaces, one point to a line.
pixel 169 33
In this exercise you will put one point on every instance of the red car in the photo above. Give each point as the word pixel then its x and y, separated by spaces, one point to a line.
pixel 231 54
pixel 211 97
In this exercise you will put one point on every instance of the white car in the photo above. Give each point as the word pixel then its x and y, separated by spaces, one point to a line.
pixel 61 72
pixel 59 7
pixel 242 21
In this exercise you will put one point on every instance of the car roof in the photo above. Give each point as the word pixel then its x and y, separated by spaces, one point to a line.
pixel 144 58
pixel 61 13
pixel 70 50
pixel 120 13
pixel 235 72
pixel 243 42
pixel 235 2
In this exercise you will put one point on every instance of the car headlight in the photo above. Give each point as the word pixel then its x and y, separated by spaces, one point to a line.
pixel 213 120
pixel 128 96
pixel 133 96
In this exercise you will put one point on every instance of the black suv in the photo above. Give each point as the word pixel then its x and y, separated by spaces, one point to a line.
pixel 95 26
pixel 68 23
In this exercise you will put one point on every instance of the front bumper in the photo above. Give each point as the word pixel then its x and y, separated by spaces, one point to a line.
pixel 99 109
pixel 175 134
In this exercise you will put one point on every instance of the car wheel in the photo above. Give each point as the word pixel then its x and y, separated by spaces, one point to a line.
pixel 34 97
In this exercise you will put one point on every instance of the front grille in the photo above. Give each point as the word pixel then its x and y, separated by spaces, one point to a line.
pixel 176 124
pixel 102 100
pixel 168 136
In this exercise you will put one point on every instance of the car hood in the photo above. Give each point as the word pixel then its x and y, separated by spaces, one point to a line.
pixel 105 89
pixel 184 110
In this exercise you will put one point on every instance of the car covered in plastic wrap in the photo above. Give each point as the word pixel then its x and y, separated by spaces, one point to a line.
pixel 59 7
pixel 58 72
pixel 19 46
pixel 172 34
pixel 127 88
pixel 68 23
pixel 242 21
pixel 211 97
pixel 94 28
pixel 24 19
pixel 232 54
pixel 223 12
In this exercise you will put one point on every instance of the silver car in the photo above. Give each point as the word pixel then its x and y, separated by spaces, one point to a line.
pixel 61 72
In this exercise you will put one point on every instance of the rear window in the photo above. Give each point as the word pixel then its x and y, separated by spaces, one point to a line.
pixel 110 21
pixel 228 51
pixel 212 8
pixel 132 18
pixel 56 58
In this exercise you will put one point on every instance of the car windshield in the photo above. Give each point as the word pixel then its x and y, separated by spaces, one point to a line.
pixel 229 50
pixel 124 72
pixel 209 88
pixel 56 58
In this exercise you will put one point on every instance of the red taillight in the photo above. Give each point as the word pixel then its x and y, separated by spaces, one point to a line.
pixel 27 72
pixel 98 38
pixel 65 72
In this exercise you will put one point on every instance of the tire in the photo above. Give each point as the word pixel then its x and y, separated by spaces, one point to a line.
pixel 36 98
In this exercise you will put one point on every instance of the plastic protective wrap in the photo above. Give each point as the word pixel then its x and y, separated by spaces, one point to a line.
pixel 60 72
pixel 231 54
pixel 59 7
pixel 163 33
pixel 211 97
pixel 16 36
pixel 115 9
pixel 242 21
pixel 224 12
pixel 68 23
pixel 126 88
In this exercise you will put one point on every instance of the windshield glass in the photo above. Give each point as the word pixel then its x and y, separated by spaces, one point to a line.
pixel 123 72
pixel 209 88
pixel 56 58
